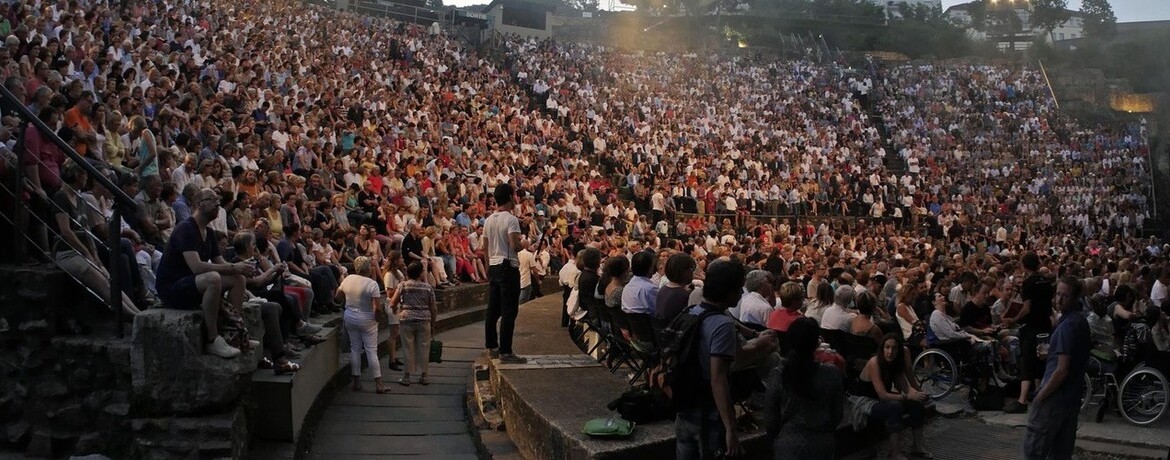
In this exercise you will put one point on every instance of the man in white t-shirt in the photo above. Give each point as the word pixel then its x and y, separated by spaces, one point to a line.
pixel 501 241
pixel 657 205
pixel 1159 292
pixel 527 266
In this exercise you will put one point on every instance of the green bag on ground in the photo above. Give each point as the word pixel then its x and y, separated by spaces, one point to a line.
pixel 436 351
pixel 608 428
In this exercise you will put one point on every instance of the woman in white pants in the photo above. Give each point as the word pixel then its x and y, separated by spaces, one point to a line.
pixel 417 312
pixel 362 295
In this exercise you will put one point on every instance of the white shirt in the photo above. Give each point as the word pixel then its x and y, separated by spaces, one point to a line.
pixel 1158 293
pixel 754 309
pixel 360 293
pixel 526 262
pixel 837 318
pixel 180 177
pixel 497 232
pixel 568 275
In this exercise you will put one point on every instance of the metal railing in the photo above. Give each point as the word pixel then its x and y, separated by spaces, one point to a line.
pixel 123 204
pixel 405 13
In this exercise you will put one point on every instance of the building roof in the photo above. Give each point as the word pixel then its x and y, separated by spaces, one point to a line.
pixel 524 4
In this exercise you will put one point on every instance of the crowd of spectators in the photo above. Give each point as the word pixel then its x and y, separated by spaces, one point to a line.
pixel 302 140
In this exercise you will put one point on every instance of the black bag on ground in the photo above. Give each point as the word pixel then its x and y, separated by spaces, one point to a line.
pixel 642 405
pixel 988 399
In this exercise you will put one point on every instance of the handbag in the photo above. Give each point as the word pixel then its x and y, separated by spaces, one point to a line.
pixel 381 316
pixel 436 351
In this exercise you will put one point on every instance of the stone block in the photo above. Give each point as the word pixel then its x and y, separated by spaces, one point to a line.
pixel 171 375
pixel 89 445
pixel 69 416
pixel 17 432
pixel 52 389
pixel 40 445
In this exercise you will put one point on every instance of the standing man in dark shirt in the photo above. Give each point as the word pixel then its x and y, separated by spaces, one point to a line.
pixel 1034 319
pixel 1052 422
pixel 412 250
pixel 192 274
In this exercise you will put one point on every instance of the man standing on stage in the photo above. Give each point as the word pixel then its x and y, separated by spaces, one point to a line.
pixel 501 240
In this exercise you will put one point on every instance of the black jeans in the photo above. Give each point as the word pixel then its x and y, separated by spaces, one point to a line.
pixel 503 305
pixel 565 306
pixel 897 415
pixel 270 317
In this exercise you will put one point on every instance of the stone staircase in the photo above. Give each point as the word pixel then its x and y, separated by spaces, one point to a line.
pixel 70 386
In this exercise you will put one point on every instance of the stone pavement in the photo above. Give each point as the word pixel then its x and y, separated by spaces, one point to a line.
pixel 417 421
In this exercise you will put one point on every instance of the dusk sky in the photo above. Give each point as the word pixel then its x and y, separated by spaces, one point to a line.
pixel 1126 10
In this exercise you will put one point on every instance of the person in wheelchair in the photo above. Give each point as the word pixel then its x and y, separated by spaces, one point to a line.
pixel 1105 349
pixel 944 333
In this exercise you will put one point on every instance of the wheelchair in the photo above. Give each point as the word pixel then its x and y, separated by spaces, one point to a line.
pixel 1141 397
pixel 939 373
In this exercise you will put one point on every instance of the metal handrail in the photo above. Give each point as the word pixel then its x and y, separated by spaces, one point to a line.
pixel 123 203
pixel 120 196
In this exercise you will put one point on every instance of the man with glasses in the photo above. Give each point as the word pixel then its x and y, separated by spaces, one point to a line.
pixel 192 274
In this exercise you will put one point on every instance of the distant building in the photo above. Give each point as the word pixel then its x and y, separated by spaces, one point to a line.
pixel 894 7
pixel 1005 33
pixel 521 17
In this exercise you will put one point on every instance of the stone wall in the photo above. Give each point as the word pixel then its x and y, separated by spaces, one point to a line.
pixel 70 386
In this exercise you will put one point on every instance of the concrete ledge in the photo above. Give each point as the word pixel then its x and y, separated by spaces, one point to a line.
pixel 283 401
pixel 544 409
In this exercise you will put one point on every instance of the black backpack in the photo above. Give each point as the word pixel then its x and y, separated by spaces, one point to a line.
pixel 643 405
pixel 678 375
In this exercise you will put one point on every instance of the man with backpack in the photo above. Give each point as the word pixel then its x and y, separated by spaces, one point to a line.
pixel 701 386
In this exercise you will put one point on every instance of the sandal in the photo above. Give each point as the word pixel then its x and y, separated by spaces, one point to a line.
pixel 405 381
pixel 382 390
pixel 423 381
pixel 287 367
pixel 265 363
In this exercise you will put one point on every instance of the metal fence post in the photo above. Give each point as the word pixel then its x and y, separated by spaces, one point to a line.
pixel 114 242
pixel 20 220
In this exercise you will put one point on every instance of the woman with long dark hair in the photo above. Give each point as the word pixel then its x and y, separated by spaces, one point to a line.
pixel 613 281
pixel 888 386
pixel 805 399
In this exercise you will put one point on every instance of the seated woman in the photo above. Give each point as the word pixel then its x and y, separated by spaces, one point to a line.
pixel 267 285
pixel 74 249
pixel 805 399
pixel 887 392
pixel 613 281
pixel 276 317
pixel 863 324
pixel 791 300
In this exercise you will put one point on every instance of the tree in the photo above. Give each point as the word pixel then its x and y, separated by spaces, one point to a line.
pixel 1099 20
pixel 584 5
pixel 1048 14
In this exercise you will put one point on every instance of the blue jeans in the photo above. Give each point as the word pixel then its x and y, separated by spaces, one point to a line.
pixel 698 435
